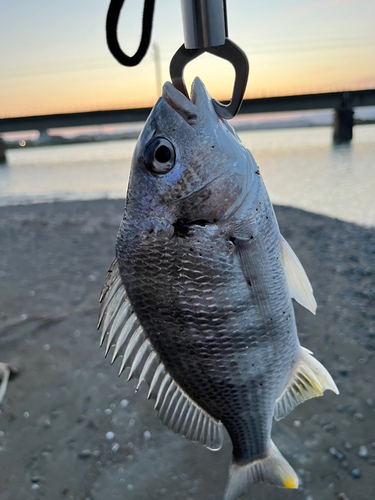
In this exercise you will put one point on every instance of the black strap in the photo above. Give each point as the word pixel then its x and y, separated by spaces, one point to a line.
pixel 111 30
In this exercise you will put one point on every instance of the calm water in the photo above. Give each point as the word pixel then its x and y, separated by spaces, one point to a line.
pixel 300 167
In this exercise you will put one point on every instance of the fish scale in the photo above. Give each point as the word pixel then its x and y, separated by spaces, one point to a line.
pixel 188 356
pixel 205 313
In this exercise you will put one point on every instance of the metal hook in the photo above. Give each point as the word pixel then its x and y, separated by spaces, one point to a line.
pixel 230 52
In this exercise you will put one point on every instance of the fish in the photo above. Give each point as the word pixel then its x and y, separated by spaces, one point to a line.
pixel 198 300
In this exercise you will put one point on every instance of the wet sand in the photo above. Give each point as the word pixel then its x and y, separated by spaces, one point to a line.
pixel 70 428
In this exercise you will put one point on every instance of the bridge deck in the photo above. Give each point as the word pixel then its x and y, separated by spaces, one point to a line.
pixel 331 100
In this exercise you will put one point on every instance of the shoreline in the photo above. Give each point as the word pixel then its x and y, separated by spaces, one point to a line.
pixel 238 127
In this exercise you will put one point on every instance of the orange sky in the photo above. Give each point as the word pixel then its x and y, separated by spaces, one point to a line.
pixel 56 59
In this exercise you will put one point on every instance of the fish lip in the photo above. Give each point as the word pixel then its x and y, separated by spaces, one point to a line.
pixel 180 103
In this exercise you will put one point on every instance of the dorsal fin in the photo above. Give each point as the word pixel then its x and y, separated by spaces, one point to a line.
pixel 309 380
pixel 298 283
pixel 123 331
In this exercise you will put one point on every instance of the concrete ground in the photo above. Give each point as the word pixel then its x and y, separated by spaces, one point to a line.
pixel 71 429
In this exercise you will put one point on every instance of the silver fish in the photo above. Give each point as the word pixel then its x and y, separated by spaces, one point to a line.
pixel 198 301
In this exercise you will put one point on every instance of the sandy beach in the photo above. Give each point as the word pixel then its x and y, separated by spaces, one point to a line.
pixel 70 428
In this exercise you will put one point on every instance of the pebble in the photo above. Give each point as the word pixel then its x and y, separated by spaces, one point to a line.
pixel 358 416
pixel 115 447
pixel 85 454
pixel 347 445
pixel 310 443
pixel 329 427
pixel 370 402
pixel 109 435
pixel 35 486
pixel 356 473
pixel 309 498
pixel 342 496
pixel 147 434
pixel 337 454
pixel 26 414
pixel 363 451
pixel 297 423
pixel 124 403
pixel 107 411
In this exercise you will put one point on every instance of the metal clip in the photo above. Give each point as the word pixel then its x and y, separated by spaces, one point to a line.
pixel 230 52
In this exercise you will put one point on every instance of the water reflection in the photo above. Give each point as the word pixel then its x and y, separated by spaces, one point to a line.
pixel 300 167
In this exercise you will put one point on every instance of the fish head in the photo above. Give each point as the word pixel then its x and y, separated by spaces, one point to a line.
pixel 188 163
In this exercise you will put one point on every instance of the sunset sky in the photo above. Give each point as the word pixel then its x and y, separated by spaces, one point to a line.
pixel 54 56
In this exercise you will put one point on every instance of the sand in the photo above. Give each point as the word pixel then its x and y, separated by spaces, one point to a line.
pixel 70 428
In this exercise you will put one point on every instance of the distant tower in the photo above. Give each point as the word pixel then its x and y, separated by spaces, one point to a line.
pixel 156 57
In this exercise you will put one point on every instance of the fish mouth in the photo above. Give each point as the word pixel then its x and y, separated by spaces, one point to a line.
pixel 180 103
pixel 192 110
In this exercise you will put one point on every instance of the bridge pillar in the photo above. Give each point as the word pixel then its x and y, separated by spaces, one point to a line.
pixel 2 151
pixel 43 135
pixel 343 121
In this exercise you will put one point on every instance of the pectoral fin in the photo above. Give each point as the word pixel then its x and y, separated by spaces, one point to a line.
pixel 309 380
pixel 298 283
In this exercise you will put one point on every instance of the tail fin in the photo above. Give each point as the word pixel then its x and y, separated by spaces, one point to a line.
pixel 272 469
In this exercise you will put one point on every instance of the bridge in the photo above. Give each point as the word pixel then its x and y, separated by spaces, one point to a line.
pixel 342 102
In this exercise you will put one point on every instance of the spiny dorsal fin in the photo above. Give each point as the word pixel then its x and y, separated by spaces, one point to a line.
pixel 309 380
pixel 123 331
pixel 298 283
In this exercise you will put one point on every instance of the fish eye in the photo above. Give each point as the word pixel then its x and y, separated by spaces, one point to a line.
pixel 160 156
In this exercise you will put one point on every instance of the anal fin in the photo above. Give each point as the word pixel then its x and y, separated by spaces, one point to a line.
pixel 272 469
pixel 309 380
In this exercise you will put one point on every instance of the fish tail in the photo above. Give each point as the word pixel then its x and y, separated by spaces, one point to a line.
pixel 272 469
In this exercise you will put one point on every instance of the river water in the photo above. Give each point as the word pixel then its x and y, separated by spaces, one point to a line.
pixel 300 167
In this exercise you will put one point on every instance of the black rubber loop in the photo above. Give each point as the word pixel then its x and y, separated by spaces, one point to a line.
pixel 111 30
